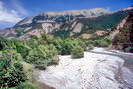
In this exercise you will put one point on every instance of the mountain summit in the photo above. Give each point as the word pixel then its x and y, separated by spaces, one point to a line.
pixel 68 14
pixel 87 13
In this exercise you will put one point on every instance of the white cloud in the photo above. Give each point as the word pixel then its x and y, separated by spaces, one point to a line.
pixel 10 16
pixel 19 7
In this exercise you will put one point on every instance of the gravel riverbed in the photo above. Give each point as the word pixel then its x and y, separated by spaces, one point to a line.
pixel 97 70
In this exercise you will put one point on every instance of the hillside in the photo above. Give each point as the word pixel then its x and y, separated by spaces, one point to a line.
pixel 68 23
pixel 123 34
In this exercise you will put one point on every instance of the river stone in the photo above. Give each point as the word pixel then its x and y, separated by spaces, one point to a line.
pixel 94 71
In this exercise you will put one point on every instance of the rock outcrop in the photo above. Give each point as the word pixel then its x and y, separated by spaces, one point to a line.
pixel 123 34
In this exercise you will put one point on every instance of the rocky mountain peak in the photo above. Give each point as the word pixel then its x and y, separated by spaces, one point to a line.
pixel 129 8
pixel 86 12
pixel 65 15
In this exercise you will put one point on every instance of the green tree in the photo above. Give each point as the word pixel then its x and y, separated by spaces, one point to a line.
pixel 11 73
pixel 42 56
pixel 77 52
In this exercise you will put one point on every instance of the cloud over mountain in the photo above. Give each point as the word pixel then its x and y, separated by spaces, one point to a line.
pixel 19 7
pixel 10 16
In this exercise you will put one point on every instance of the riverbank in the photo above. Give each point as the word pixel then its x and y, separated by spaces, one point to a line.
pixel 94 71
pixel 127 57
pixel 125 74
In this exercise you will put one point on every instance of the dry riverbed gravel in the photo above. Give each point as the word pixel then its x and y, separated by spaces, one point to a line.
pixel 94 71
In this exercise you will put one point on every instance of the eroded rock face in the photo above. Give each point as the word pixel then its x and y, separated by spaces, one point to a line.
pixel 94 71
pixel 123 34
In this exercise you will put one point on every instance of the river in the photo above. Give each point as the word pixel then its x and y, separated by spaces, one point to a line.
pixel 99 69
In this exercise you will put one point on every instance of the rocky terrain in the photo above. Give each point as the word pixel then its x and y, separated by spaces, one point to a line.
pixel 67 23
pixel 123 34
pixel 99 69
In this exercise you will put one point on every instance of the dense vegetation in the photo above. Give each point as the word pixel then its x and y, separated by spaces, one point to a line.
pixel 10 69
pixel 19 57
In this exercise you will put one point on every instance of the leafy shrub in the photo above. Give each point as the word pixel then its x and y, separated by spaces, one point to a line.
pixel 67 47
pixel 101 42
pixel 104 42
pixel 69 43
pixel 90 47
pixel 23 49
pixel 11 73
pixel 26 85
pixel 28 70
pixel 3 43
pixel 77 52
pixel 58 43
pixel 12 76
pixel 82 44
pixel 42 56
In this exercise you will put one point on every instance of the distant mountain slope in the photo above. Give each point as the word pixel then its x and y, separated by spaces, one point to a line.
pixel 65 16
pixel 67 23
pixel 123 34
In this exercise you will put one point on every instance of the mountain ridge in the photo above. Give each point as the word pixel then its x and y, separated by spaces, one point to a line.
pixel 68 23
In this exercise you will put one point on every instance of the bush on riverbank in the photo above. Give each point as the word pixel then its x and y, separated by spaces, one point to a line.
pixel 102 42
pixel 77 52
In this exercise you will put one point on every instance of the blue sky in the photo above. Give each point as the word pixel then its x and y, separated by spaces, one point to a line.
pixel 12 11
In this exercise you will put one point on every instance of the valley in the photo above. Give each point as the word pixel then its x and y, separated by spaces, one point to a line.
pixel 76 49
